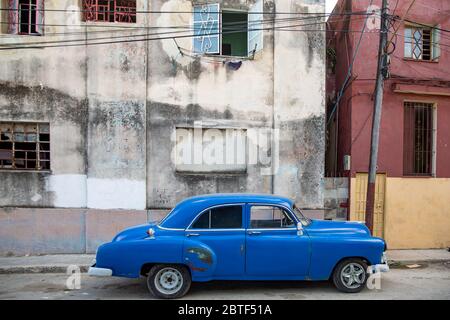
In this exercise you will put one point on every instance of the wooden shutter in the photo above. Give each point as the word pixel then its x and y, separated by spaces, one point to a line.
pixel 13 17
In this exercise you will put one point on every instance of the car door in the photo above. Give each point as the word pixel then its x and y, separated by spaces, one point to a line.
pixel 219 233
pixel 274 246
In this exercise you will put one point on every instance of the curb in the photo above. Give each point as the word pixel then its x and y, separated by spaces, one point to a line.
pixel 39 269
pixel 403 263
pixel 84 268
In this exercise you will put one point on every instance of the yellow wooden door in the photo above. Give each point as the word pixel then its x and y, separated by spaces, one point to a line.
pixel 358 209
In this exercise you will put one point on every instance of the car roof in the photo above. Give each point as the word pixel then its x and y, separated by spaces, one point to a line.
pixel 185 211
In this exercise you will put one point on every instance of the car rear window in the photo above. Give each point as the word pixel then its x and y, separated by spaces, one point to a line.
pixel 226 217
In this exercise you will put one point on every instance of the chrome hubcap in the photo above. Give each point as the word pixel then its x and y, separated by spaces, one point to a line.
pixel 168 280
pixel 353 275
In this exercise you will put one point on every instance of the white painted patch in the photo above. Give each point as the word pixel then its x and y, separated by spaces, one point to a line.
pixel 166 22
pixel 69 190
pixel 36 197
pixel 116 194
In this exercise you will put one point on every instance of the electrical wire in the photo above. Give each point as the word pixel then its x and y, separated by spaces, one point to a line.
pixel 349 71
pixel 402 19
pixel 90 41
pixel 186 12
pixel 242 27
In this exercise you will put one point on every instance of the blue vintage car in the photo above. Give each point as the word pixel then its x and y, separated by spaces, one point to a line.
pixel 241 237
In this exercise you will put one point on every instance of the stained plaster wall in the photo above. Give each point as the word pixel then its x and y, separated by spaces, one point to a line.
pixel 113 110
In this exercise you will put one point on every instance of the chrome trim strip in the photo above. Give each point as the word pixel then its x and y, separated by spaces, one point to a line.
pixel 205 230
pixel 170 229
pixel 272 229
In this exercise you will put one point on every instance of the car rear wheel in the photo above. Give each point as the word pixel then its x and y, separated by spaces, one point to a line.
pixel 168 281
pixel 350 275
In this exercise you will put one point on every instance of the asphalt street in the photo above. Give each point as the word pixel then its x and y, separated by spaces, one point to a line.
pixel 426 282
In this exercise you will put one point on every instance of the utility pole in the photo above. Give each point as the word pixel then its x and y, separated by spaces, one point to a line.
pixel 382 73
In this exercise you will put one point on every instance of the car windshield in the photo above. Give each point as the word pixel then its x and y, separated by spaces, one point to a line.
pixel 304 220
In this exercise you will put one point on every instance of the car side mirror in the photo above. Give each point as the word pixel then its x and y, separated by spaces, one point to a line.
pixel 299 229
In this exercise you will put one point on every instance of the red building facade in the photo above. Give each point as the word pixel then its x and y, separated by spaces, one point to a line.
pixel 414 151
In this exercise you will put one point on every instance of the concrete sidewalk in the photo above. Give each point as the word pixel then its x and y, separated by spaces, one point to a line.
pixel 59 263
pixel 418 256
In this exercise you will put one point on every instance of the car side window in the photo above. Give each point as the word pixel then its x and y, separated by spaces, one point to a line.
pixel 226 217
pixel 266 217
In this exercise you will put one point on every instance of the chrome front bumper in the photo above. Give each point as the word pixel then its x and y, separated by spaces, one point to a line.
pixel 383 266
pixel 99 272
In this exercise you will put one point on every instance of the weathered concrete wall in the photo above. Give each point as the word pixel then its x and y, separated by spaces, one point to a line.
pixel 30 92
pixel 113 110
pixel 267 92
pixel 299 104
pixel 51 231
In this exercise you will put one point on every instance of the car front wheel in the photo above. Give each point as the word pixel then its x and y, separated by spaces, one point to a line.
pixel 168 281
pixel 350 275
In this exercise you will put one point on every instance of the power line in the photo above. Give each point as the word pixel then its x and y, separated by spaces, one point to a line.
pixel 126 28
pixel 90 41
pixel 185 12
pixel 230 30
pixel 349 71
pixel 402 19
pixel 424 25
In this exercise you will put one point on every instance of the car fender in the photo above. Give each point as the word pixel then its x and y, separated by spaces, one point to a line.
pixel 126 258
pixel 200 259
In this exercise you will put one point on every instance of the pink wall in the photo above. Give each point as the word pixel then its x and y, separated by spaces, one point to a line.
pixel 356 106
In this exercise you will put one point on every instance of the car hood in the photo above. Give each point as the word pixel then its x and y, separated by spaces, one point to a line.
pixel 136 232
pixel 351 228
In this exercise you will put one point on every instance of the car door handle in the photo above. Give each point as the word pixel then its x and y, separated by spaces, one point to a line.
pixel 192 234
pixel 254 232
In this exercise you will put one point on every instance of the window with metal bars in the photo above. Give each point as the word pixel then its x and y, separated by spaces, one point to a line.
pixel 418 139
pixel 109 10
pixel 24 146
pixel 422 43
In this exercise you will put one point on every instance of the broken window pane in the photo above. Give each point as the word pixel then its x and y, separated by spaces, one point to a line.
pixel 20 147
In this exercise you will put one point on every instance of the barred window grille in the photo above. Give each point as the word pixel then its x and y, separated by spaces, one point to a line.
pixel 109 11
pixel 418 139
pixel 24 146
pixel 422 43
